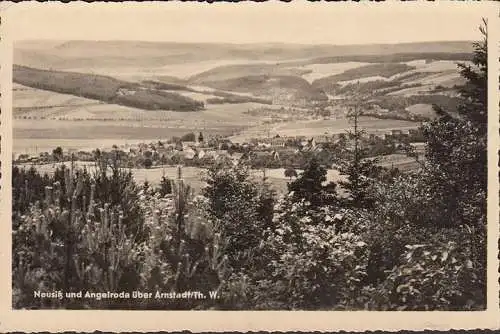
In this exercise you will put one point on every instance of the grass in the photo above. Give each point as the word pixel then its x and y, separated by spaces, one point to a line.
pixel 420 109
pixel 193 175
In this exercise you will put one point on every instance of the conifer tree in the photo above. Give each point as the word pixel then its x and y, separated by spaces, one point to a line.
pixel 309 185
pixel 456 151
pixel 165 186
pixel 359 170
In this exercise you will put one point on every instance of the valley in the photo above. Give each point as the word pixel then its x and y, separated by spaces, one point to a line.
pixel 84 95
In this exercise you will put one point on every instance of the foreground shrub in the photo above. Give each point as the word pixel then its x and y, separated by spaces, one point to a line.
pixel 438 275
pixel 86 247
pixel 311 264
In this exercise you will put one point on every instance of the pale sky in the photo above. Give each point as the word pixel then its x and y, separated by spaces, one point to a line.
pixel 296 22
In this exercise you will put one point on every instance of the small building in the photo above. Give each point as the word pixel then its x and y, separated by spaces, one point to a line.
pixel 188 144
pixel 263 145
pixel 322 139
pixel 278 142
pixel 189 153
pixel 236 156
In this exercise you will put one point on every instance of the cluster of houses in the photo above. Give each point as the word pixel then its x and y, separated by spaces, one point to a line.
pixel 414 135
pixel 200 152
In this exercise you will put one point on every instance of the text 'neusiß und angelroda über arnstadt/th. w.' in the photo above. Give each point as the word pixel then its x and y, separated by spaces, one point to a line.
pixel 126 295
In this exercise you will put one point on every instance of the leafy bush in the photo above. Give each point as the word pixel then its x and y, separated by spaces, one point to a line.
pixel 313 265
pixel 237 211
pixel 437 275
pixel 188 137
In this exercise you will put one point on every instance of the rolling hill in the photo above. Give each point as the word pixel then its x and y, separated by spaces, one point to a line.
pixel 103 88
pixel 379 71
pixel 399 81
pixel 281 89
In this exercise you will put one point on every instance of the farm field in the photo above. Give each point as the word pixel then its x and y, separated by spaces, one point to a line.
pixel 300 177
pixel 27 97
pixel 42 135
pixel 421 109
pixel 310 128
pixel 434 66
pixel 35 147
pixel 332 126
pixel 324 70
pixel 400 161
pixel 181 71
pixel 44 120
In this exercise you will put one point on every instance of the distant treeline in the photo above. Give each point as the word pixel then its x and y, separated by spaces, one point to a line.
pixel 219 97
pixel 265 85
pixel 383 70
pixel 103 88
pixel 397 103
pixel 227 98
pixel 395 57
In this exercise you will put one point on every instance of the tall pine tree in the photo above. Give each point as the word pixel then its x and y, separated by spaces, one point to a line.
pixel 456 151
pixel 356 166
pixel 309 185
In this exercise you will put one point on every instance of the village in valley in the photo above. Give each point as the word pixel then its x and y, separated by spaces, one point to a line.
pixel 194 149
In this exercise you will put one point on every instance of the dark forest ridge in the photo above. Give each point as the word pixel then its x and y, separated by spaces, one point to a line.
pixel 104 89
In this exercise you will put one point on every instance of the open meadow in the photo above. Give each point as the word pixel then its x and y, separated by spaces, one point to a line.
pixel 311 128
pixel 193 176
pixel 44 120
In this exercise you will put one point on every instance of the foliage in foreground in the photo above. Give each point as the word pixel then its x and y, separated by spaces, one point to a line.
pixel 415 241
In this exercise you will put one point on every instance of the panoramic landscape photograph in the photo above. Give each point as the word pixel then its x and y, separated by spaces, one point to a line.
pixel 266 163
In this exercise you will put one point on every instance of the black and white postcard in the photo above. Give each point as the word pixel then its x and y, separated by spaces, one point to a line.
pixel 227 160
